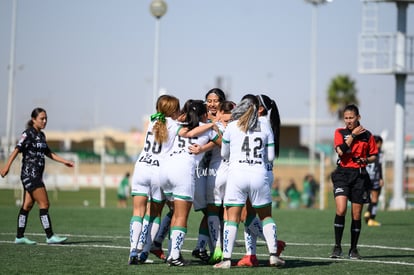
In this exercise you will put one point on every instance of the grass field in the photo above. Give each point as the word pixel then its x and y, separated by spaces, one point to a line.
pixel 98 242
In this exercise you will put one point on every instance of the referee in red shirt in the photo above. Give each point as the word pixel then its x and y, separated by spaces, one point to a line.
pixel 356 148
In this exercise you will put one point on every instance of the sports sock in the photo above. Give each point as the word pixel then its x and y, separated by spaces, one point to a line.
pixel 370 208
pixel 256 227
pixel 229 237
pixel 177 240
pixel 203 238
pixel 144 233
pixel 46 222
pixel 374 210
pixel 339 225
pixel 163 230
pixel 135 227
pixel 154 225
pixel 250 241
pixel 355 231
pixel 270 234
pixel 214 228
pixel 21 222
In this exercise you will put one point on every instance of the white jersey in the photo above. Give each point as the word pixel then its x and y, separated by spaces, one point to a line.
pixel 145 180
pixel 248 154
pixel 153 152
pixel 269 165
pixel 217 174
pixel 182 144
pixel 178 179
pixel 216 151
pixel 249 149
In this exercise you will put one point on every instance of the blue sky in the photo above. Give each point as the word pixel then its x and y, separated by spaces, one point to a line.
pixel 89 63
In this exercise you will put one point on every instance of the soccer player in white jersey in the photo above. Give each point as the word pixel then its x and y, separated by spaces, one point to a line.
pixel 269 116
pixel 248 144
pixel 159 141
pixel 205 172
pixel 178 179
pixel 216 180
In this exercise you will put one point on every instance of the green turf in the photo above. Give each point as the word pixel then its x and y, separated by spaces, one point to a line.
pixel 98 241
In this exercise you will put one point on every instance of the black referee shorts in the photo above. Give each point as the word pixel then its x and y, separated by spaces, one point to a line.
pixel 353 183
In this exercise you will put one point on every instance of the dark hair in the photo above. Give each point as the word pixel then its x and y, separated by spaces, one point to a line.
pixel 218 92
pixel 186 106
pixel 378 138
pixel 352 108
pixel 35 113
pixel 274 118
pixel 252 99
pixel 196 110
pixel 227 106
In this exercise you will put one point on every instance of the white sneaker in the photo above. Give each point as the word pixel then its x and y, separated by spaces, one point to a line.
pixel 223 264
pixel 24 240
pixel 276 261
pixel 56 240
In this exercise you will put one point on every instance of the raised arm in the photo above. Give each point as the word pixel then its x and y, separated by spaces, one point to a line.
pixel 184 132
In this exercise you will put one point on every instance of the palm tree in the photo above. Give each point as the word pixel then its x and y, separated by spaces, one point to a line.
pixel 341 92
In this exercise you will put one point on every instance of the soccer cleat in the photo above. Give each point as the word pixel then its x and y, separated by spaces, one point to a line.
pixel 178 262
pixel 143 256
pixel 158 252
pixel 276 261
pixel 280 247
pixel 336 252
pixel 201 254
pixel 224 264
pixel 24 240
pixel 372 222
pixel 216 257
pixel 353 254
pixel 133 257
pixel 367 215
pixel 248 260
pixel 56 240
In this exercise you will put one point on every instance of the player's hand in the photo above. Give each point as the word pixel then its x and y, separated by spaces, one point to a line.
pixel 69 163
pixel 358 130
pixel 195 149
pixel 4 172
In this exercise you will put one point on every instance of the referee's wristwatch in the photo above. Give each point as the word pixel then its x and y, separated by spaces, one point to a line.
pixel 353 135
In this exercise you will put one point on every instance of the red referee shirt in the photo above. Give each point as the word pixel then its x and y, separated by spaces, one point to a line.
pixel 362 146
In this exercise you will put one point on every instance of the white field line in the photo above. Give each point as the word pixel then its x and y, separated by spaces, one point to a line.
pixel 239 241
pixel 240 254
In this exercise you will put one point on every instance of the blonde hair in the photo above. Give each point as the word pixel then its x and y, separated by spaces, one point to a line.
pixel 168 106
pixel 245 119
pixel 246 113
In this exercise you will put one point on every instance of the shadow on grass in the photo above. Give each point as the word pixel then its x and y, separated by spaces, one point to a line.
pixel 299 263
pixel 86 242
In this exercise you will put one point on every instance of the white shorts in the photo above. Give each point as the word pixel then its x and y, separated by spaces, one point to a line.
pixel 200 198
pixel 246 182
pixel 145 182
pixel 216 185
pixel 177 177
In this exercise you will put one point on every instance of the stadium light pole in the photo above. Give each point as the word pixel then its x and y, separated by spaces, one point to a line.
pixel 10 92
pixel 158 9
pixel 313 83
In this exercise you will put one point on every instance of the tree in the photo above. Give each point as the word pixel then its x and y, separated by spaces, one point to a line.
pixel 341 92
